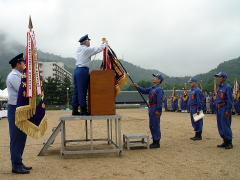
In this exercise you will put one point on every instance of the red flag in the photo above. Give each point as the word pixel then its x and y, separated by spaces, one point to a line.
pixel 110 62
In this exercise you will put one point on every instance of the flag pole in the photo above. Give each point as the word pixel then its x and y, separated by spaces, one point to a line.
pixel 133 83
pixel 104 39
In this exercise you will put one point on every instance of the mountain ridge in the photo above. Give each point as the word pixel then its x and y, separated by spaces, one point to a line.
pixel 10 49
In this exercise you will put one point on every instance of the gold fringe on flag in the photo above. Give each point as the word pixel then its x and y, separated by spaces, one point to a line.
pixel 28 127
pixel 24 113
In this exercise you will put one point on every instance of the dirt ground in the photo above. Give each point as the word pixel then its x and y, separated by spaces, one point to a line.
pixel 178 157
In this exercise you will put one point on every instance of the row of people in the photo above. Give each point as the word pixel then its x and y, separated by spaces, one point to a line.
pixel 180 104
pixel 223 103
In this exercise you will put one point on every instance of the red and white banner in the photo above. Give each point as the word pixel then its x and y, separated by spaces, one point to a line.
pixel 29 65
pixel 106 64
pixel 236 88
pixel 37 69
pixel 110 62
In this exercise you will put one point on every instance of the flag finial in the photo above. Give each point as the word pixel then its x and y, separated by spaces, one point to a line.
pixel 30 26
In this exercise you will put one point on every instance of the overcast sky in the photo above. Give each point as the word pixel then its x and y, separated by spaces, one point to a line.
pixel 176 37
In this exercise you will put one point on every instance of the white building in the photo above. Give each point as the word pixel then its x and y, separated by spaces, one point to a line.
pixel 54 70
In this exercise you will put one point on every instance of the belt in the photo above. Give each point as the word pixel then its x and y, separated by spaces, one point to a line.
pixel 82 67
pixel 221 105
pixel 194 106
pixel 151 104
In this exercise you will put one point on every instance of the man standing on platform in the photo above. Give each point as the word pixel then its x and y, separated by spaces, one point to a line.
pixel 195 105
pixel 81 73
pixel 17 137
pixel 155 107
pixel 224 103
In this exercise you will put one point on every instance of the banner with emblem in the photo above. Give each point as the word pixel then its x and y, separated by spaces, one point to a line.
pixel 185 93
pixel 236 90
pixel 214 89
pixel 30 112
pixel 111 62
pixel 174 94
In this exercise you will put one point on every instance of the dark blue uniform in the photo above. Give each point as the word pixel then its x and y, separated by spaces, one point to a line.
pixel 237 105
pixel 195 104
pixel 184 105
pixel 212 104
pixel 81 81
pixel 165 104
pixel 175 104
pixel 224 103
pixel 155 103
pixel 204 104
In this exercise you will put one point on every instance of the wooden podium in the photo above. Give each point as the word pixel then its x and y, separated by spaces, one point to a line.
pixel 101 93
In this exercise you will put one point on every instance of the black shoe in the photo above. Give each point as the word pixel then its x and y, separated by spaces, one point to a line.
pixel 155 144
pixel 223 145
pixel 20 171
pixel 228 144
pixel 75 111
pixel 192 138
pixel 197 137
pixel 84 111
pixel 27 167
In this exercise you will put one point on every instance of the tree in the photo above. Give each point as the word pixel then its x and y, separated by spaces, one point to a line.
pixel 56 91
pixel 2 83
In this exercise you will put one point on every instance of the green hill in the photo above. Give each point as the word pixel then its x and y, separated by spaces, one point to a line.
pixel 10 49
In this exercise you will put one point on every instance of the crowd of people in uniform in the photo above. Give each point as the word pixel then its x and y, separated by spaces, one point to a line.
pixel 180 103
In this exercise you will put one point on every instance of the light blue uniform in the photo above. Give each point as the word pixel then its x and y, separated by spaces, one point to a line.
pixel 17 137
pixel 81 73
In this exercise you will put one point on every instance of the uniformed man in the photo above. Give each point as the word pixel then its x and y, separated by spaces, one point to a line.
pixel 195 105
pixel 236 103
pixel 155 94
pixel 165 103
pixel 208 103
pixel 81 73
pixel 17 137
pixel 224 103
pixel 212 103
pixel 204 103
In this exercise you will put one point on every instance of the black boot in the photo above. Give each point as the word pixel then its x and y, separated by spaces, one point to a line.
pixel 84 111
pixel 223 145
pixel 20 171
pixel 198 136
pixel 155 144
pixel 229 144
pixel 192 138
pixel 75 111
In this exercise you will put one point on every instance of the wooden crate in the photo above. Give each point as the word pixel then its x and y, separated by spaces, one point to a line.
pixel 101 93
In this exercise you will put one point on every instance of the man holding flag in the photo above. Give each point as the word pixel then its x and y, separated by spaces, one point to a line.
pixel 81 73
pixel 26 110
pixel 155 94
pixel 17 137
